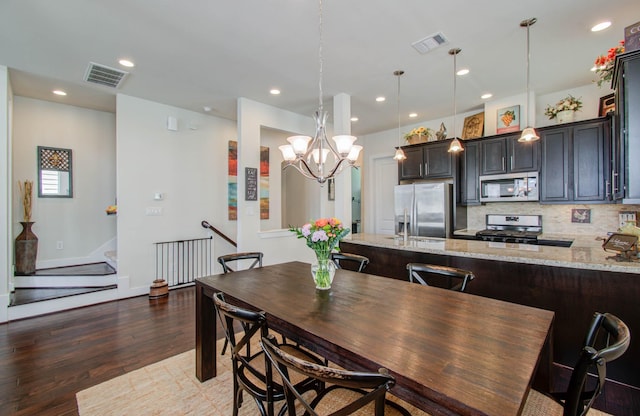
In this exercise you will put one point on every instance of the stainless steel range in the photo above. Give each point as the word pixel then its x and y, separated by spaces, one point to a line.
pixel 523 229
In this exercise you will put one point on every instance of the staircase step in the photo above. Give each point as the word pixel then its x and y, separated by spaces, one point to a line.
pixel 93 275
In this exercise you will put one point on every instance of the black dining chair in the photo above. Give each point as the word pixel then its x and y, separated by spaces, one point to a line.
pixel 345 393
pixel 225 260
pixel 252 373
pixel 607 339
pixel 440 276
pixel 359 262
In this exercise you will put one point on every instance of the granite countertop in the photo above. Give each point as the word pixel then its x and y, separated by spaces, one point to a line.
pixel 584 253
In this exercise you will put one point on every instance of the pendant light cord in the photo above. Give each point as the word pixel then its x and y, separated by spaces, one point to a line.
pixel 320 56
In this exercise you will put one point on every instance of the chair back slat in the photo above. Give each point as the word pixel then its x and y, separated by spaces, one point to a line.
pixel 607 339
pixel 453 278
pixel 371 386
pixel 225 260
pixel 360 262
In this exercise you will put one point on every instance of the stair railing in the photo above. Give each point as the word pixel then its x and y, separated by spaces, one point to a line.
pixel 205 224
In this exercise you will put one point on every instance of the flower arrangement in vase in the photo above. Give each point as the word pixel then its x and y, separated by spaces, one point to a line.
pixel 322 236
pixel 564 109
pixel 419 135
pixel 604 63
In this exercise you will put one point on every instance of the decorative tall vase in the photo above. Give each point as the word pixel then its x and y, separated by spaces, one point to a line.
pixel 566 116
pixel 323 270
pixel 26 250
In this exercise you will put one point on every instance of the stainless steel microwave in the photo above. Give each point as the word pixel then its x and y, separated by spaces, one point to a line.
pixel 509 187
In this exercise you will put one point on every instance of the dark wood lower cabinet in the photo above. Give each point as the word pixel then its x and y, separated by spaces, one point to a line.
pixel 573 294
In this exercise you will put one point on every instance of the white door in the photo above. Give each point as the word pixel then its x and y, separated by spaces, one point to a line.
pixel 386 177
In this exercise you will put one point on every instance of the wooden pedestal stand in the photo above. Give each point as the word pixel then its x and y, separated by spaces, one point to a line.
pixel 159 289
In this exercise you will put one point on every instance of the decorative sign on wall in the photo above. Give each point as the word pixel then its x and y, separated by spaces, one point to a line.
pixel 263 189
pixel 264 183
pixel 250 184
pixel 508 119
pixel 232 187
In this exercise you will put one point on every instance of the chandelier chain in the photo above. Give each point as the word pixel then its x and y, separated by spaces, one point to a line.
pixel 320 56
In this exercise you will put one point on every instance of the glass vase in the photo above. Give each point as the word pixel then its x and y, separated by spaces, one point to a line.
pixel 323 270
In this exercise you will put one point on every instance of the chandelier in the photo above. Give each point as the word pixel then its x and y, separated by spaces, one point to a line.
pixel 315 157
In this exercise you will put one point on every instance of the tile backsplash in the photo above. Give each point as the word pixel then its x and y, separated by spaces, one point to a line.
pixel 556 219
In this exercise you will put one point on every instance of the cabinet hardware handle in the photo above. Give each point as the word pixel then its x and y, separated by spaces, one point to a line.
pixel 421 170
pixel 606 189
pixel 511 162
pixel 503 167
pixel 615 182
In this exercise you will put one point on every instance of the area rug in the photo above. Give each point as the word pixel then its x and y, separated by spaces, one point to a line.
pixel 170 387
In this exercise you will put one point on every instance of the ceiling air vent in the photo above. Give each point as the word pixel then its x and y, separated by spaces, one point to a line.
pixel 429 43
pixel 103 75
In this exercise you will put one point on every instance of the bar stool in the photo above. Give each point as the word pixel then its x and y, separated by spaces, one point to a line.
pixel 360 261
pixel 421 272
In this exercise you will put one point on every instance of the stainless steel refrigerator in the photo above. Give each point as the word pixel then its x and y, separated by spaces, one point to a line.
pixel 425 209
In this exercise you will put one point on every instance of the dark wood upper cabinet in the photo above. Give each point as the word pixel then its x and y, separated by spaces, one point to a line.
pixel 626 140
pixel 554 172
pixel 506 154
pixel 426 161
pixel 576 162
pixel 469 173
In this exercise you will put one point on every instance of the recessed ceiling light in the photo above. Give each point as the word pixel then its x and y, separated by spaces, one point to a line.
pixel 485 96
pixel 206 108
pixel 463 71
pixel 600 26
pixel 274 91
pixel 380 99
pixel 127 63
pixel 59 92
pixel 413 115
pixel 354 119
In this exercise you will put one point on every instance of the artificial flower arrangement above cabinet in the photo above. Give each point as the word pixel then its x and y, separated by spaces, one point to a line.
pixel 604 64
pixel 419 135
pixel 565 109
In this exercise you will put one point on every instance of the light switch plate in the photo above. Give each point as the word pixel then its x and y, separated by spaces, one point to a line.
pixel 626 217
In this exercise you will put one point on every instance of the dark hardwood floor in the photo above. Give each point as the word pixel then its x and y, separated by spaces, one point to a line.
pixel 45 360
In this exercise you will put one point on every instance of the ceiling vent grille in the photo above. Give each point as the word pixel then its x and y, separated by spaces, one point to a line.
pixel 430 43
pixel 103 75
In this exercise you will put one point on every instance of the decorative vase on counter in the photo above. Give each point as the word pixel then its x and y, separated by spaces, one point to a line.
pixel 323 270
pixel 566 116
pixel 26 250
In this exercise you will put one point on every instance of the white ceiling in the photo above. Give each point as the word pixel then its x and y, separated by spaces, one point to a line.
pixel 197 53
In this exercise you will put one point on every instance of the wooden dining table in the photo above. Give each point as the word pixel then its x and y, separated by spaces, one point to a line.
pixel 451 353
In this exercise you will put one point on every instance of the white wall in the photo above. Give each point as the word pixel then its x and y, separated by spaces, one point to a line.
pixel 79 222
pixel 188 166
pixel 278 245
pixel 6 269
pixel 383 143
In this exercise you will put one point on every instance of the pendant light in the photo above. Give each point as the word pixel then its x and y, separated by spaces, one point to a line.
pixel 310 156
pixel 455 145
pixel 529 133
pixel 399 156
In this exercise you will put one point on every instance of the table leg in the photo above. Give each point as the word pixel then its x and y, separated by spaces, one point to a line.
pixel 205 335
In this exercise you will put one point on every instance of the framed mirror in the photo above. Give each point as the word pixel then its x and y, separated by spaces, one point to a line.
pixel 54 173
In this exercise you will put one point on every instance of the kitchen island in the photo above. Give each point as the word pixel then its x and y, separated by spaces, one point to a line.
pixel 574 282
pixel 583 253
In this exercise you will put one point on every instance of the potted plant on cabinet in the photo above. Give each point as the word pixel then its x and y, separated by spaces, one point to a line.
pixel 419 135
